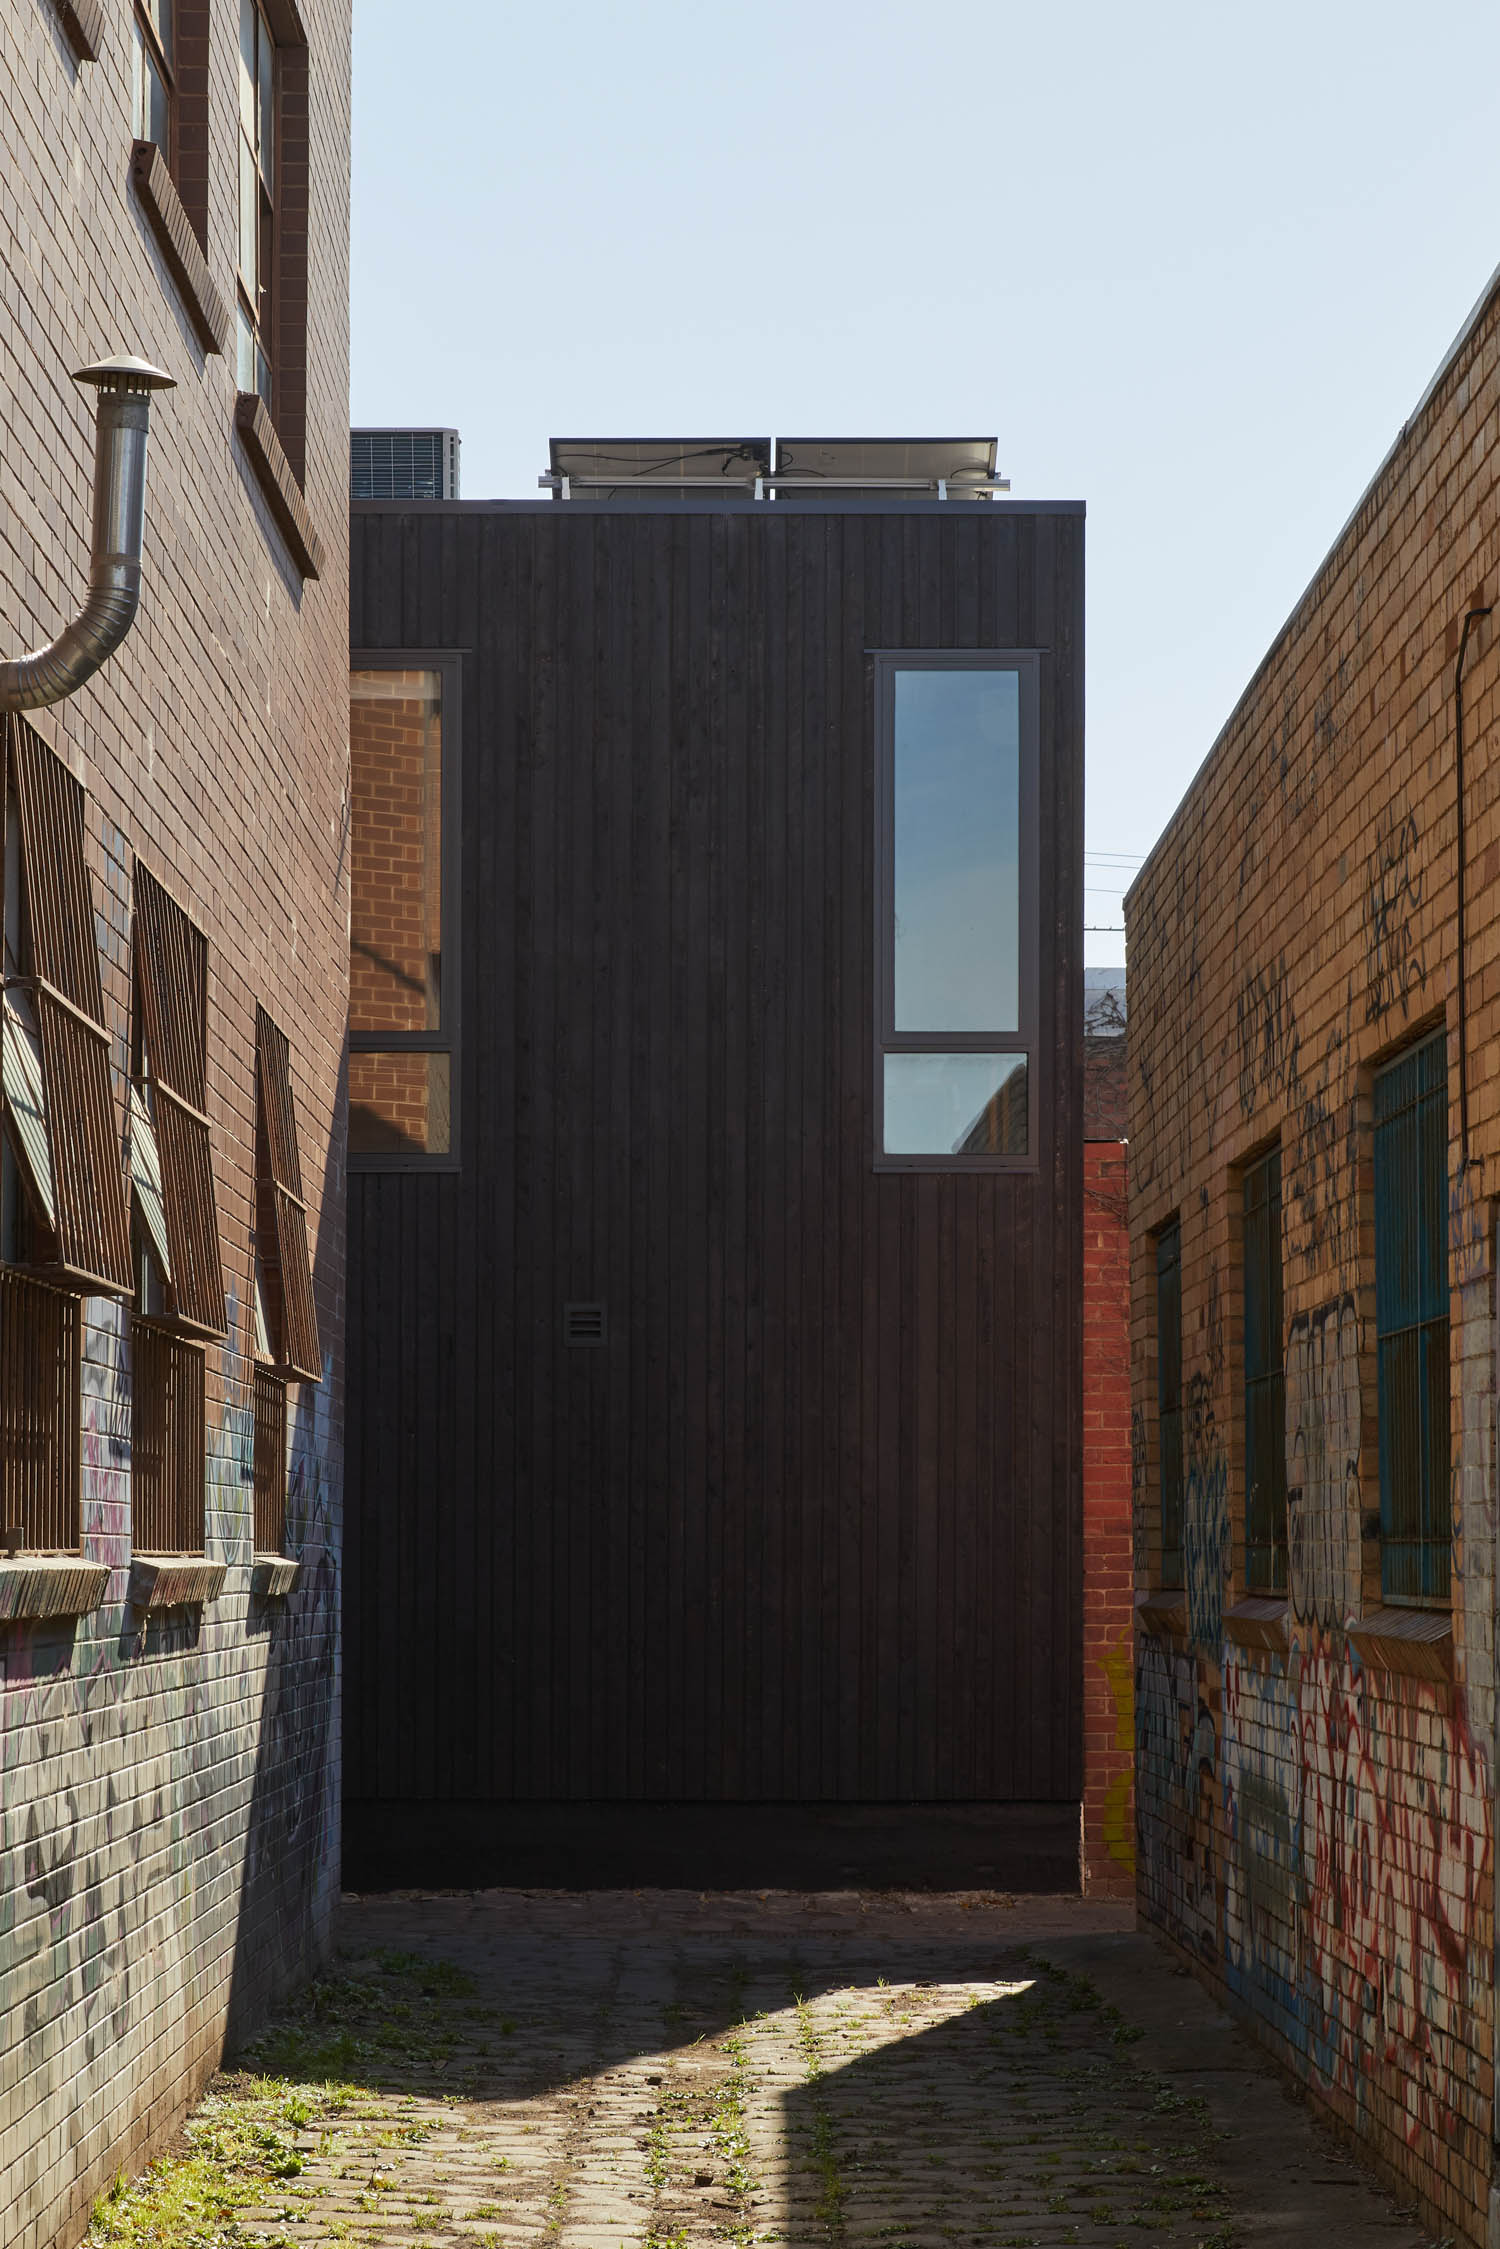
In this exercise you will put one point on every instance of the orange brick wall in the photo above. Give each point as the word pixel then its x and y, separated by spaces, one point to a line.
pixel 1108 1737
pixel 1315 1819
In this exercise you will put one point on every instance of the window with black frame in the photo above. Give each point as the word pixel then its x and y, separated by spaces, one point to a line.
pixel 1411 1324
pixel 255 326
pixel 1169 1399
pixel 402 969
pixel 1265 1379
pixel 956 910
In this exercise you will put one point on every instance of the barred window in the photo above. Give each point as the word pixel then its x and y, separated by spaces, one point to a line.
pixel 1169 1398
pixel 270 1461
pixel 179 1278
pixel 167 1442
pixel 1265 1380
pixel 1411 1325
pixel 286 1316
pixel 39 1415
pixel 62 1203
pixel 63 1192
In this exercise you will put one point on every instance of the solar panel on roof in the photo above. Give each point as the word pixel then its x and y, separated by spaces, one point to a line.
pixel 673 463
pixel 886 461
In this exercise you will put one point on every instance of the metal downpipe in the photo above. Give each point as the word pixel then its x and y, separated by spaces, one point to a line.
pixel 122 423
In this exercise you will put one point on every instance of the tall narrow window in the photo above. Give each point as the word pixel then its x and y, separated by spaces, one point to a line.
pixel 286 1326
pixel 1265 1381
pixel 153 74
pixel 955 931
pixel 1169 1397
pixel 1411 1323
pixel 402 985
pixel 257 186
pixel 179 1298
pixel 270 1461
pixel 167 1442
pixel 62 1206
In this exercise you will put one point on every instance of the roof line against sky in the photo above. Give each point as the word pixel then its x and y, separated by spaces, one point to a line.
pixel 1406 432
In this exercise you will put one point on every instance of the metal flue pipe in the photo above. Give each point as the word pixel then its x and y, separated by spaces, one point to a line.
pixel 124 388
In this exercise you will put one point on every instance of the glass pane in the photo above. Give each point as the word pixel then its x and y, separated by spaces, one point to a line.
pixel 956 1105
pixel 148 93
pixel 245 352
pixel 266 108
pixel 396 813
pixel 247 69
pixel 956 850
pixel 262 373
pixel 159 14
pixel 249 213
pixel 399 1105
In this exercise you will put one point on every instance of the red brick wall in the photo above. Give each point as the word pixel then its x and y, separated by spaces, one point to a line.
pixel 1108 1724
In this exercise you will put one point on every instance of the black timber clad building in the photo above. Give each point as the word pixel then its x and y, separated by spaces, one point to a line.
pixel 715 1312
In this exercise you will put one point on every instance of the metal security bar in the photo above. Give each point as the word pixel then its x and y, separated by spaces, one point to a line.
pixel 39 1413
pixel 1169 1397
pixel 91 1233
pixel 270 1462
pixel 1265 1381
pixel 281 1218
pixel 171 956
pixel 1411 1324
pixel 167 1443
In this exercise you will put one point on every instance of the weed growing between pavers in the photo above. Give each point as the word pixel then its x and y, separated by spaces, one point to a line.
pixel 312 2085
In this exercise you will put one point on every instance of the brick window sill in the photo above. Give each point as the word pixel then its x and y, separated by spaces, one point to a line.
pixel 1259 1621
pixel 42 1585
pixel 273 1576
pixel 83 27
pixel 274 474
pixel 1416 1641
pixel 173 229
pixel 171 1581
pixel 1164 1614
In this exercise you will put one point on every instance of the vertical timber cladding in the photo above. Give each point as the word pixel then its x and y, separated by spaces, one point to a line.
pixel 806 1529
pixel 1315 1786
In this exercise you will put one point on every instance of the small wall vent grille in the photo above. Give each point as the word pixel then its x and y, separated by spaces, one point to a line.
pixel 584 1325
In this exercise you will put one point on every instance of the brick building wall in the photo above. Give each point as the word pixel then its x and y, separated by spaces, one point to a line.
pixel 1108 1728
pixel 168 1853
pixel 1315 1780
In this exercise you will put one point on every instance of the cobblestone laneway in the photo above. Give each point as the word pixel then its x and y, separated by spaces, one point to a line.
pixel 658 2071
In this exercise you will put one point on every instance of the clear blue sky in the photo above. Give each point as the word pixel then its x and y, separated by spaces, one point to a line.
pixel 1191 265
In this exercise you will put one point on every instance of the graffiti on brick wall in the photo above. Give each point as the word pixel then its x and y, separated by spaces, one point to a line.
pixel 1265 1036
pixel 1323 1459
pixel 1260 1813
pixel 1396 1845
pixel 1393 897
pixel 1176 1754
pixel 1354 1852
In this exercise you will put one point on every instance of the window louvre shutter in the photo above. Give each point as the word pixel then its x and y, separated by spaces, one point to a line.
pixel 171 956
pixel 89 1219
pixel 281 1212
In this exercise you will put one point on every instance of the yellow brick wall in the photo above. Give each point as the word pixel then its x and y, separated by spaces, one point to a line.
pixel 1317 1828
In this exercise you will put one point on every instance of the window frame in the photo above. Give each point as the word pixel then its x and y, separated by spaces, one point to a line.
pixel 269 1470
pixel 1020 1038
pixel 159 1342
pixel 1175 1579
pixel 58 1493
pixel 263 323
pixel 1271 1377
pixel 144 29
pixel 448 663
pixel 1438 1504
